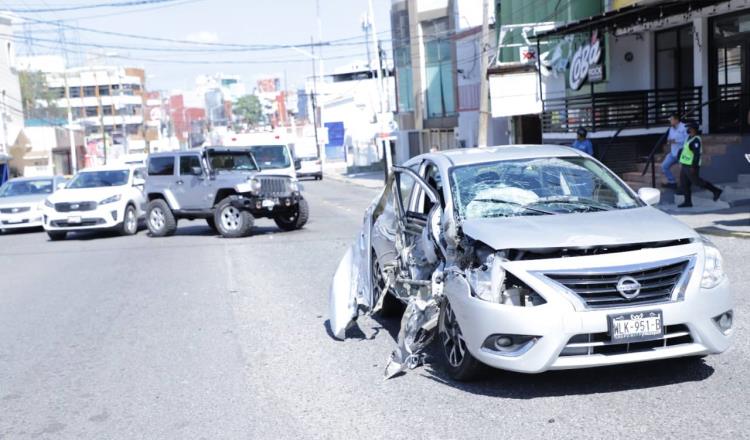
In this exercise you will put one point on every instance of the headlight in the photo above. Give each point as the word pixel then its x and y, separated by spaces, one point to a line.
pixel 294 186
pixel 48 204
pixel 713 266
pixel 113 199
pixel 255 185
pixel 491 283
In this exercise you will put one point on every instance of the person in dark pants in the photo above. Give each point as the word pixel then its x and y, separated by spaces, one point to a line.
pixel 690 160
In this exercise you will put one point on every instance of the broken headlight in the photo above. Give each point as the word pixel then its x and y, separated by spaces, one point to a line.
pixel 490 282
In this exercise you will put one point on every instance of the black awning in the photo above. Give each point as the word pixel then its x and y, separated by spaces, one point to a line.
pixel 629 16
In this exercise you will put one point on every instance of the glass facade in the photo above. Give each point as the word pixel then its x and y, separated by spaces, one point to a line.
pixel 402 58
pixel 440 93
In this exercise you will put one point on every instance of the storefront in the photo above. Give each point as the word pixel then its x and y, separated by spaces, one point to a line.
pixel 728 65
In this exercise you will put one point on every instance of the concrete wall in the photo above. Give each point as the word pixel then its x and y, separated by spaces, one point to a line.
pixel 637 74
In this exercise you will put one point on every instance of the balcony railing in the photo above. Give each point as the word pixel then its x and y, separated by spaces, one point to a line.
pixel 613 110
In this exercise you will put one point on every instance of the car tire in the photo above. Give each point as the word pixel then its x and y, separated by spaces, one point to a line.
pixel 129 224
pixel 57 235
pixel 232 222
pixel 392 306
pixel 296 220
pixel 211 224
pixel 458 362
pixel 160 219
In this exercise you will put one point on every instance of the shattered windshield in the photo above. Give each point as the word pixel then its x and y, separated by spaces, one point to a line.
pixel 232 161
pixel 271 156
pixel 537 186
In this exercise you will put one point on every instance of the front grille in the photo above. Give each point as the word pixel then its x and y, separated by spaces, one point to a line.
pixel 600 343
pixel 15 210
pixel 599 289
pixel 75 206
pixel 273 186
pixel 84 222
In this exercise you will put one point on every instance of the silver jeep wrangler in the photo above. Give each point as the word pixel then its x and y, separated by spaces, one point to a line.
pixel 223 186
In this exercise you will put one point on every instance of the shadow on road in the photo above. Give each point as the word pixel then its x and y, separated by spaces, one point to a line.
pixel 498 383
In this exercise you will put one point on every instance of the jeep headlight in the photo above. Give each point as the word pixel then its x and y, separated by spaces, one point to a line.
pixel 113 199
pixel 255 185
pixel 294 186
pixel 713 266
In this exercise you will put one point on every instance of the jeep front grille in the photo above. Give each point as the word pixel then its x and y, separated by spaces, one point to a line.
pixel 598 288
pixel 273 186
pixel 75 206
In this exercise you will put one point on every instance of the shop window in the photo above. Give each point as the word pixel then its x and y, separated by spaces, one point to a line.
pixel 440 94
pixel 674 58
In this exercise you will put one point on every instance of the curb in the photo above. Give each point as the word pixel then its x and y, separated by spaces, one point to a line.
pixel 345 179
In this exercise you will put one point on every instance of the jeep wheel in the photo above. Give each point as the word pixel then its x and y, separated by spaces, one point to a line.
pixel 129 224
pixel 459 363
pixel 232 222
pixel 159 218
pixel 294 219
pixel 57 235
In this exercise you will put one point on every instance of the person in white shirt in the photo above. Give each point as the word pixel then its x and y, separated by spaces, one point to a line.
pixel 675 140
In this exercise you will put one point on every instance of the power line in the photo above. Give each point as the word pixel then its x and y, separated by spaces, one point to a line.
pixel 91 6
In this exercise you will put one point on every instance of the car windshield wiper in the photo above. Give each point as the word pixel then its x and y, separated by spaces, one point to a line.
pixel 516 204
pixel 589 203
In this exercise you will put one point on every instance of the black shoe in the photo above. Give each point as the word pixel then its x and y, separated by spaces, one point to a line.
pixel 717 194
pixel 685 205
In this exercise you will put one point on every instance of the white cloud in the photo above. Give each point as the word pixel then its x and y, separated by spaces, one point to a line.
pixel 203 37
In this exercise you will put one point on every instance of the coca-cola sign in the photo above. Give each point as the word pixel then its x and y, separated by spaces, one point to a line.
pixel 585 63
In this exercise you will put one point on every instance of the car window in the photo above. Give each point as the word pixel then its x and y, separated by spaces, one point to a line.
pixel 161 166
pixel 97 179
pixel 187 163
pixel 431 175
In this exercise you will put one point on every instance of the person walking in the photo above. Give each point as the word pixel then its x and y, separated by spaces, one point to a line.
pixel 690 161
pixel 583 144
pixel 675 140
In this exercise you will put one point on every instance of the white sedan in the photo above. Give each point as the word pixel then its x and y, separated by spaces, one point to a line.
pixel 531 258
pixel 97 199
pixel 21 201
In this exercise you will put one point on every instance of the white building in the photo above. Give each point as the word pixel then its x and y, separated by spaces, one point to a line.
pixel 11 108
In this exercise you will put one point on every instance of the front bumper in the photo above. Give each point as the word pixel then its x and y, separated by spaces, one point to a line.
pixel 29 219
pixel 560 320
pixel 267 205
pixel 103 217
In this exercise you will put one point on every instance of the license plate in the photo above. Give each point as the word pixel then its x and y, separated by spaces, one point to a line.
pixel 74 219
pixel 268 203
pixel 635 327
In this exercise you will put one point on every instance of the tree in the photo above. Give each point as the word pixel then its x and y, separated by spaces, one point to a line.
pixel 37 99
pixel 249 109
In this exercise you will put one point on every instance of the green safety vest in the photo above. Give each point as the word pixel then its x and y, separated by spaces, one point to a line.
pixel 686 157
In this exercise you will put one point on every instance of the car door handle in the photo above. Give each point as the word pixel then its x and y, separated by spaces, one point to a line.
pixel 179 182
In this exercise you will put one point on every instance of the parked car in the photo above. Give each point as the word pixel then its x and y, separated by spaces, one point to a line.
pixel 21 201
pixel 222 185
pixel 531 258
pixel 98 198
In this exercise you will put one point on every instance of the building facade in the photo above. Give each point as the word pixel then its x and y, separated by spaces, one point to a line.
pixel 11 111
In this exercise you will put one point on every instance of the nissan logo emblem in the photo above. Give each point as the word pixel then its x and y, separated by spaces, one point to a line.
pixel 628 287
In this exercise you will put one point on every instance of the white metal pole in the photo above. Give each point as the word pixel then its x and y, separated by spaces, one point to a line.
pixel 483 86
pixel 71 134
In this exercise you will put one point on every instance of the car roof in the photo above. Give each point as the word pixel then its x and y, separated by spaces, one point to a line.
pixel 469 156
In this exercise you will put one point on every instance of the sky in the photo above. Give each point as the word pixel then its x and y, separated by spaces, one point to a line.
pixel 237 22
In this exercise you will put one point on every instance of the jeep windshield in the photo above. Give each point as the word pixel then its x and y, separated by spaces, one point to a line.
pixel 537 186
pixel 97 179
pixel 270 157
pixel 227 161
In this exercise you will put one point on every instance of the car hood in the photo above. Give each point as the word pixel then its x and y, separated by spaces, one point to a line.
pixel 288 172
pixel 85 194
pixel 624 226
pixel 22 200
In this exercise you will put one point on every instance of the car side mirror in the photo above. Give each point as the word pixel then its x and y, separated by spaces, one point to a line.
pixel 297 164
pixel 197 171
pixel 650 196
pixel 139 181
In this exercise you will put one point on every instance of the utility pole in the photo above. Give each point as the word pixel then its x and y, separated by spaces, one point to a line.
pixel 71 135
pixel 315 109
pixel 483 85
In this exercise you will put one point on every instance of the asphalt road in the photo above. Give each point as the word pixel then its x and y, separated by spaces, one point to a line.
pixel 198 337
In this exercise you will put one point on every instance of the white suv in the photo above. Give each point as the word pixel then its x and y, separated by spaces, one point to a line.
pixel 97 198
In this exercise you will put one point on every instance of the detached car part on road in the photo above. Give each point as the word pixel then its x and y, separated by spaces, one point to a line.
pixel 530 258
pixel 223 186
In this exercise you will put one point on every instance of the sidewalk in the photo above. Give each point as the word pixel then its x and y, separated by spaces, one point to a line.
pixel 338 171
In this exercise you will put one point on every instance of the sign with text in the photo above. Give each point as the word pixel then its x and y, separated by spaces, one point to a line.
pixel 585 63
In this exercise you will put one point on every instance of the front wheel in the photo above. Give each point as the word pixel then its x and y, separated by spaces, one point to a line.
pixel 295 219
pixel 159 218
pixel 232 222
pixel 57 235
pixel 459 363
pixel 129 222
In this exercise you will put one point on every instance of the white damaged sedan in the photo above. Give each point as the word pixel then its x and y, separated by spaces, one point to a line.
pixel 530 258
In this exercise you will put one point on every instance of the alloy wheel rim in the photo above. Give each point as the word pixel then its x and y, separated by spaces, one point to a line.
pixel 452 338
pixel 157 218
pixel 378 282
pixel 130 220
pixel 230 218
